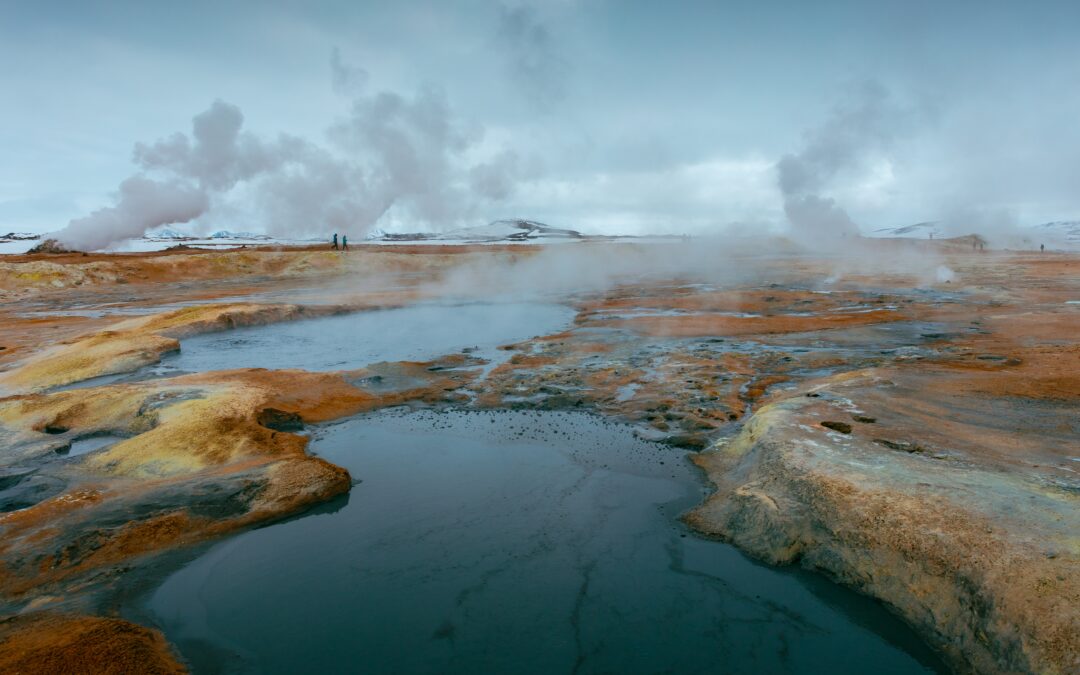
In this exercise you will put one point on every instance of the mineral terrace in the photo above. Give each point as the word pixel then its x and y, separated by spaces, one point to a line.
pixel 917 440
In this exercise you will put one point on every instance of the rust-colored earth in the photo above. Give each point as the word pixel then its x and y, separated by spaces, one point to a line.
pixel 915 439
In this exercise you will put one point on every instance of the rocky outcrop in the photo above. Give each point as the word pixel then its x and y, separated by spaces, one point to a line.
pixel 49 246
pixel 982 561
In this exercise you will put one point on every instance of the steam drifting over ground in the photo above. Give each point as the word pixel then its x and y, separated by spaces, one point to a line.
pixel 410 154
pixel 856 130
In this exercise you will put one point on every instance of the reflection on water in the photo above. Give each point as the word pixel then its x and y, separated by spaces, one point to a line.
pixel 523 542
pixel 350 341
pixel 89 444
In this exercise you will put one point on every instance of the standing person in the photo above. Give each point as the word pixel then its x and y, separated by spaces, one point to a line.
pixel 1042 248
pixel 335 242
pixel 344 242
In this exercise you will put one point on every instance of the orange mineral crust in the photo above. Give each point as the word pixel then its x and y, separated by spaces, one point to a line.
pixel 43 644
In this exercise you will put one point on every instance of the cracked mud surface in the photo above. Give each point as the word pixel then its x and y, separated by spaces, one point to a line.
pixel 508 526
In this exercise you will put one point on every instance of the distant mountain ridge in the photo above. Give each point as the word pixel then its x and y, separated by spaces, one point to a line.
pixel 19 236
pixel 1058 233
pixel 226 234
pixel 170 234
pixel 1069 230
pixel 166 233
pixel 923 229
pixel 499 230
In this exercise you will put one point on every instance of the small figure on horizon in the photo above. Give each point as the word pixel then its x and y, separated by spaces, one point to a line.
pixel 344 242
pixel 334 246
pixel 1042 248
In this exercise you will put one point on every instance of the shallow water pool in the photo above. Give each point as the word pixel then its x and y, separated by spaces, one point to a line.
pixel 354 340
pixel 511 542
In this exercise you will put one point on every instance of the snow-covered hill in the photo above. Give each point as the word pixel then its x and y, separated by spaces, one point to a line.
pixel 226 234
pixel 18 242
pixel 916 231
pixel 499 231
pixel 1060 232
pixel 167 234
pixel 19 236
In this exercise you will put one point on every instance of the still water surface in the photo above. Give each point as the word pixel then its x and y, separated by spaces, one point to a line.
pixel 511 542
pixel 350 341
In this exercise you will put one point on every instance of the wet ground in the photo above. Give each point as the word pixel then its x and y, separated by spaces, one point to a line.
pixel 526 542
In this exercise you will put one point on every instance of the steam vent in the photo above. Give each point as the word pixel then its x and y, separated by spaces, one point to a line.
pixel 540 338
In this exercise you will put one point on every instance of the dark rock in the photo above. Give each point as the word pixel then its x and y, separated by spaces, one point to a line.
pixel 906 446
pixel 863 419
pixel 842 427
pixel 686 441
pixel 280 420
pixel 51 246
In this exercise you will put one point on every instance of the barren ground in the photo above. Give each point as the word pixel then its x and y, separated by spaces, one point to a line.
pixel 917 441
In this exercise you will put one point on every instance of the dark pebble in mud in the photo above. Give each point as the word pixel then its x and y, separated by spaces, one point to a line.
pixel 900 445
pixel 863 419
pixel 280 420
pixel 842 427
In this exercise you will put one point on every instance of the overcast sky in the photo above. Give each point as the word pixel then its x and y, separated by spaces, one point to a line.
pixel 607 116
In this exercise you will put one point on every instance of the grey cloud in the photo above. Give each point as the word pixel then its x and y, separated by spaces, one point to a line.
pixel 496 179
pixel 534 61
pixel 346 79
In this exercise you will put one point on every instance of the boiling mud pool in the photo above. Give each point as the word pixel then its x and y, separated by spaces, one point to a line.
pixel 510 542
